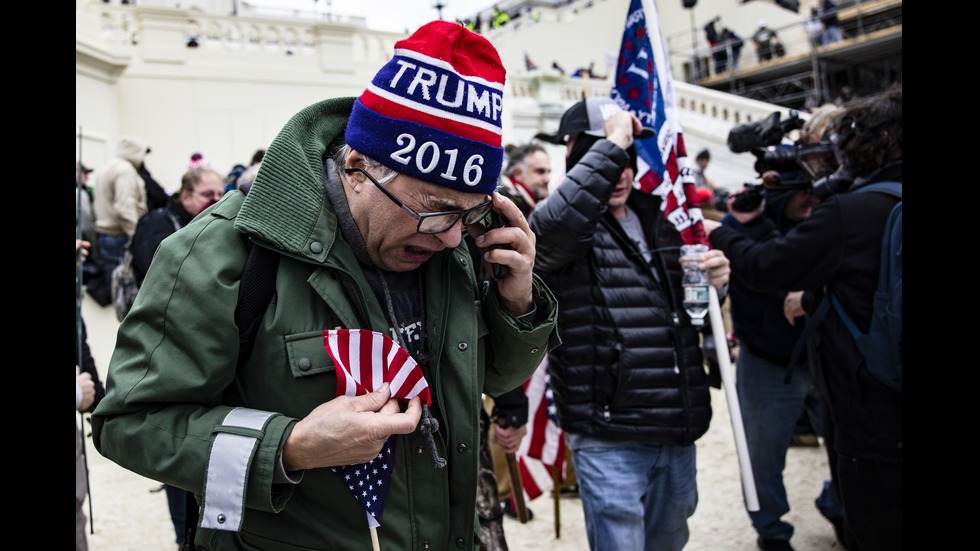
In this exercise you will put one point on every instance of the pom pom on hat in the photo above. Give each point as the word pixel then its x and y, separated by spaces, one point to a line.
pixel 433 112
pixel 197 160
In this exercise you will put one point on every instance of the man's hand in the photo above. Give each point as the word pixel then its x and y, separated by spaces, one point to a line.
pixel 744 217
pixel 516 288
pixel 348 430
pixel 710 226
pixel 793 306
pixel 716 264
pixel 509 438
pixel 84 247
pixel 84 382
pixel 620 127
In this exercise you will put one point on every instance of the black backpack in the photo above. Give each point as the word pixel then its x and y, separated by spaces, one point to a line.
pixel 123 281
pixel 881 346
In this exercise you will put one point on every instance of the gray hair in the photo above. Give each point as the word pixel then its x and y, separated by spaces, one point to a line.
pixel 384 176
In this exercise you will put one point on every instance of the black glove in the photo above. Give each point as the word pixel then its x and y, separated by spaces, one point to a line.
pixel 511 407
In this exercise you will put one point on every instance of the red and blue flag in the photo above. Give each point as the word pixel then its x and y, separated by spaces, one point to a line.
pixel 644 86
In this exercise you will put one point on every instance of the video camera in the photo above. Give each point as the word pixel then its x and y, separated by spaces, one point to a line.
pixel 818 164
pixel 769 132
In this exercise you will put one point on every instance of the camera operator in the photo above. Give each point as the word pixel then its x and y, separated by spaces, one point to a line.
pixel 771 408
pixel 839 246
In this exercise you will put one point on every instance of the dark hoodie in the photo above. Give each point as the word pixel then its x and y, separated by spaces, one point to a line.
pixel 757 316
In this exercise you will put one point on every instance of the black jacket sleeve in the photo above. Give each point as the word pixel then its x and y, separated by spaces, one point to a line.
pixel 511 407
pixel 87 364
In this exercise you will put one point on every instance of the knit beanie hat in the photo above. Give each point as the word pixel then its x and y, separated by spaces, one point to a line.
pixel 433 112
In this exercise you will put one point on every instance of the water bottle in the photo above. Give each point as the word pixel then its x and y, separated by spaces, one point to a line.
pixel 695 283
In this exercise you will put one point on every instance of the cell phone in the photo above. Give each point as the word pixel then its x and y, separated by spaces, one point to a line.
pixel 500 271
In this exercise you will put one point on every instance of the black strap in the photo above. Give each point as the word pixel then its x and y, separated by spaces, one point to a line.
pixel 190 522
pixel 254 295
pixel 811 326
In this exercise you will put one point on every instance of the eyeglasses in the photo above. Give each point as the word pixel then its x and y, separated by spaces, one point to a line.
pixel 210 195
pixel 434 222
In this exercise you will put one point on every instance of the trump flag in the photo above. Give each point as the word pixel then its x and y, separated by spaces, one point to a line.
pixel 644 86
pixel 365 360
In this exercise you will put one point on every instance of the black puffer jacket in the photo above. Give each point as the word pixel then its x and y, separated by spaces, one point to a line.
pixel 630 368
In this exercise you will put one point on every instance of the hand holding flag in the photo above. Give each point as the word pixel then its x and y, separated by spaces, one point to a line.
pixel 365 361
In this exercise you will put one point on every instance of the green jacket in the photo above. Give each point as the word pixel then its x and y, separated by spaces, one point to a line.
pixel 173 377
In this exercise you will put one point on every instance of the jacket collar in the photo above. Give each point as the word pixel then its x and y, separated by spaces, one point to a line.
pixel 287 206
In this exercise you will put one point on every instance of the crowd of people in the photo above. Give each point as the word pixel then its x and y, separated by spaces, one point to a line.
pixel 822 26
pixel 396 226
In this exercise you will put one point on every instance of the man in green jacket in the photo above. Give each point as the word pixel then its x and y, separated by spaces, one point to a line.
pixel 369 205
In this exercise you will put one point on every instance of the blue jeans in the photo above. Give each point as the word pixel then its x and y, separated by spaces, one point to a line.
pixel 770 409
pixel 177 503
pixel 111 249
pixel 831 35
pixel 637 497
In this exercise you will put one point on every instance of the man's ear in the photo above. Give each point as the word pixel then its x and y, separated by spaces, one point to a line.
pixel 354 159
pixel 517 174
pixel 357 179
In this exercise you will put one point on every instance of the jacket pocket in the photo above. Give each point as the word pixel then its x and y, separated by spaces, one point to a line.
pixel 307 354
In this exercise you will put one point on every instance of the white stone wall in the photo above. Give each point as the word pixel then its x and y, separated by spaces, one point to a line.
pixel 230 95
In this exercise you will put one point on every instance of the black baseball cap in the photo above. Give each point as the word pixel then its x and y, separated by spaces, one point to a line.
pixel 588 116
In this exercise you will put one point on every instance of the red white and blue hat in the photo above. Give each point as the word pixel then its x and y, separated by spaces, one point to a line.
pixel 433 112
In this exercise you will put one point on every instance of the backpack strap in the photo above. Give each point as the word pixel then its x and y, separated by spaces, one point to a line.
pixel 889 188
pixel 255 292
pixel 811 325
pixel 173 219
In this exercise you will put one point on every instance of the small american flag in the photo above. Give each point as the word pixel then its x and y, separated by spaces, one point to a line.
pixel 365 360
pixel 543 447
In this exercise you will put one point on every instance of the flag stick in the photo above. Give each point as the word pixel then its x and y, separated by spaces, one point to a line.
pixel 734 411
pixel 556 478
pixel 374 540
pixel 517 490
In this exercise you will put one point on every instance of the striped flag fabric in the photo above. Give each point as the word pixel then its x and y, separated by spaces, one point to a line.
pixel 365 360
pixel 644 86
pixel 543 447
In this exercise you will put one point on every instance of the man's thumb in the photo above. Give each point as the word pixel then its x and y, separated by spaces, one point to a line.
pixel 374 401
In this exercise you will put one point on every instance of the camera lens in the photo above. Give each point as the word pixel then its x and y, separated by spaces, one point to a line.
pixel 780 160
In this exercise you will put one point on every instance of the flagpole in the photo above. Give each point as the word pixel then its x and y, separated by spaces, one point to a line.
pixel 734 410
pixel 556 478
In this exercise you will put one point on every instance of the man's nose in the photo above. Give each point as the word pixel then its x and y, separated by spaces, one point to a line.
pixel 453 236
